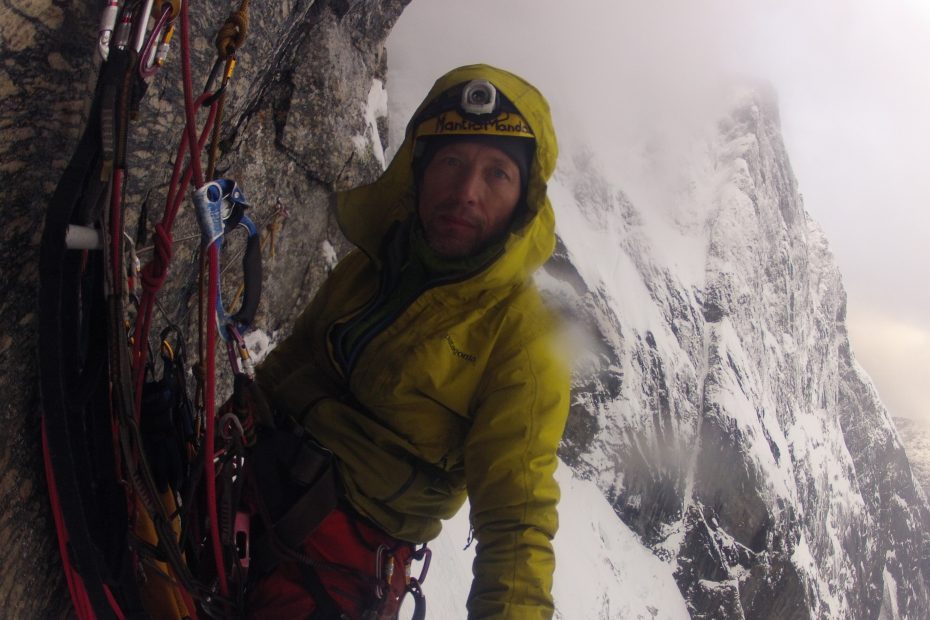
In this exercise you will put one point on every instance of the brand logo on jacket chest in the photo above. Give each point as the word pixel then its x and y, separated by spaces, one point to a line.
pixel 468 357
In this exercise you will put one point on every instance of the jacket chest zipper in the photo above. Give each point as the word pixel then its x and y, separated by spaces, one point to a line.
pixel 345 361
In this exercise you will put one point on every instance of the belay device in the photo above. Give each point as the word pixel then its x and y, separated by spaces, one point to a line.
pixel 144 481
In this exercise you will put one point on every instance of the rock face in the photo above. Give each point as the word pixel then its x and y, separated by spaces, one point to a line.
pixel 915 435
pixel 298 125
pixel 718 404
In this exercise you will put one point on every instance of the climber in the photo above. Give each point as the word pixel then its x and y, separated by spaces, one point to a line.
pixel 424 371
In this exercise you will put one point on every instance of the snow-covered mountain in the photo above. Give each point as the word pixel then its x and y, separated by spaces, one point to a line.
pixel 721 411
pixel 717 406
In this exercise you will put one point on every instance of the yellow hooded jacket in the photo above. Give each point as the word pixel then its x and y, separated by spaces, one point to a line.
pixel 463 392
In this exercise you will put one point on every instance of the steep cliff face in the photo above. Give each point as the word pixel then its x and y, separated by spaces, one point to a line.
pixel 719 406
pixel 302 117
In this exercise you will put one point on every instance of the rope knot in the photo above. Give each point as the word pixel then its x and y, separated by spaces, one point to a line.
pixel 232 34
pixel 155 271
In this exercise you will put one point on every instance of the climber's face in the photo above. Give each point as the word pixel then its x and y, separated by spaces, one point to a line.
pixel 468 194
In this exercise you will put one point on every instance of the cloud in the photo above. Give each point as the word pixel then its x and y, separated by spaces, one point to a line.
pixel 896 354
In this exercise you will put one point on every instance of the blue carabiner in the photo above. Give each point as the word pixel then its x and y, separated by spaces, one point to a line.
pixel 220 205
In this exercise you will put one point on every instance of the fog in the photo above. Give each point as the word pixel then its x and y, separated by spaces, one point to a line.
pixel 853 84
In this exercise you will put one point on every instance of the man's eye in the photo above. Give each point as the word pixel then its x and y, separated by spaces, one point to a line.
pixel 500 173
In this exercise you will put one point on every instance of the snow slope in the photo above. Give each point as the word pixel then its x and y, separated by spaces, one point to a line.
pixel 603 571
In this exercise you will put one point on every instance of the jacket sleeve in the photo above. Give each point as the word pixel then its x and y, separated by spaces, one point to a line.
pixel 288 372
pixel 293 375
pixel 510 462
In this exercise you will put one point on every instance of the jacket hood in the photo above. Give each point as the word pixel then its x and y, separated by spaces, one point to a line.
pixel 366 213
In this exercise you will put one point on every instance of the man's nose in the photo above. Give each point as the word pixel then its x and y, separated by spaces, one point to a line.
pixel 468 184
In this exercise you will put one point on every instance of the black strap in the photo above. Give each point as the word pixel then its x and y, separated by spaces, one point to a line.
pixel 75 418
pixel 298 490
pixel 252 278
pixel 319 499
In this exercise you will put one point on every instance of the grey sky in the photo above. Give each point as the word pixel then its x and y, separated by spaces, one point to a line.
pixel 853 80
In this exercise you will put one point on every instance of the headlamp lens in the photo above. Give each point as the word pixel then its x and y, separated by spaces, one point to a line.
pixel 479 97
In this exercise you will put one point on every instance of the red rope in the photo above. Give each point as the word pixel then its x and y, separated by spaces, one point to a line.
pixel 155 272
pixel 210 370
pixel 157 267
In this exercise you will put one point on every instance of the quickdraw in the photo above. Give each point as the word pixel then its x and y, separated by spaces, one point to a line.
pixel 144 501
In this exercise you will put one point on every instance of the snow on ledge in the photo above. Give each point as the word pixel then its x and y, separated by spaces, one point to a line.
pixel 376 107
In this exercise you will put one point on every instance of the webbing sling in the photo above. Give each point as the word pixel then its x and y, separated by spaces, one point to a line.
pixel 72 368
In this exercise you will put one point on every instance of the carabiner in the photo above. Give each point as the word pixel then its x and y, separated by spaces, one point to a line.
pixel 151 59
pixel 238 353
pixel 220 209
pixel 106 27
pixel 380 570
pixel 426 554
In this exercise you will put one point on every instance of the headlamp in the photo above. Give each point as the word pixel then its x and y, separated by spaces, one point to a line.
pixel 472 108
pixel 479 97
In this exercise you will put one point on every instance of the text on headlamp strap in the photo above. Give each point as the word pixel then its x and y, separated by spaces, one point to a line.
pixel 452 123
